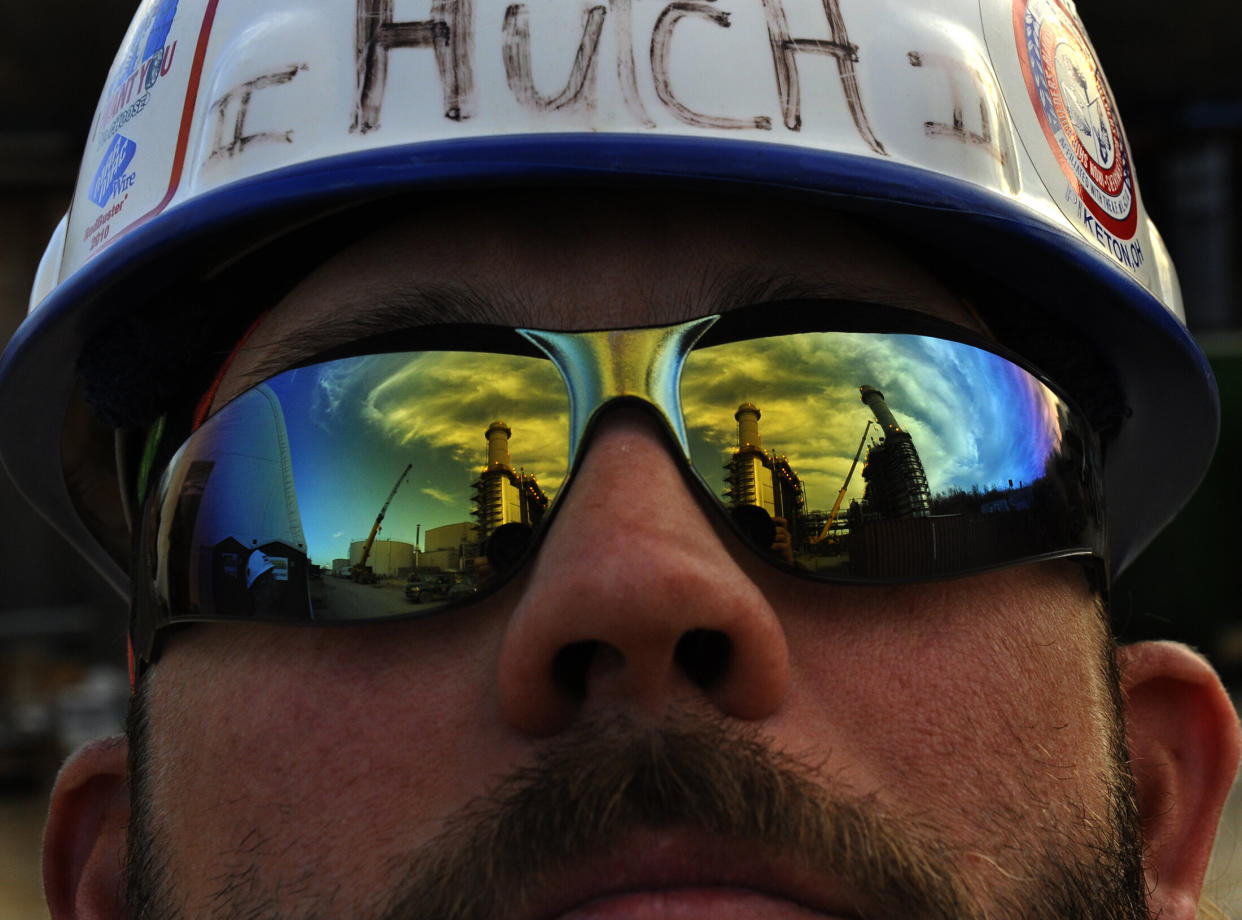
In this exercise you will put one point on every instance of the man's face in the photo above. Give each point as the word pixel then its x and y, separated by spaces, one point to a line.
pixel 648 721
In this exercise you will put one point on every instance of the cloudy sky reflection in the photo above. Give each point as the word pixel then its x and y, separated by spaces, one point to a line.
pixel 354 425
pixel 357 424
pixel 974 418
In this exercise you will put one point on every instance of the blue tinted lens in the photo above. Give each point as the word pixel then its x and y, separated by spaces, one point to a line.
pixel 891 456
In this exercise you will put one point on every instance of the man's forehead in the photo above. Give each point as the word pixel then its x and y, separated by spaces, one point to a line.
pixel 557 264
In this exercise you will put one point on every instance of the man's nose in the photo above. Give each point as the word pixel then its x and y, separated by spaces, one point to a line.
pixel 634 599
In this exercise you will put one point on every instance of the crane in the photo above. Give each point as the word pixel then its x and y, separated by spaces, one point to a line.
pixel 362 572
pixel 823 534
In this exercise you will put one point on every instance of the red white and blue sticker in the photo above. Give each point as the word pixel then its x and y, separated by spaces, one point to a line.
pixel 1065 117
pixel 149 57
pixel 1076 112
pixel 137 147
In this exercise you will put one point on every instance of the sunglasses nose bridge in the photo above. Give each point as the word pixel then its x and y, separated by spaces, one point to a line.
pixel 601 366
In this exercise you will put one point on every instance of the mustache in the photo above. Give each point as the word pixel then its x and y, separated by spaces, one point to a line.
pixel 611 775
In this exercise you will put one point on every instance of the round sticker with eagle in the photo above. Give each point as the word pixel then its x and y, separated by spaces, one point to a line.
pixel 1075 110
pixel 1072 131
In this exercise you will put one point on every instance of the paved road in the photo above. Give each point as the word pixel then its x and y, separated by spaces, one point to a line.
pixel 345 600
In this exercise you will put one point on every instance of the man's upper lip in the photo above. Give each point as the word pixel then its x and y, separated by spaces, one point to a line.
pixel 661 860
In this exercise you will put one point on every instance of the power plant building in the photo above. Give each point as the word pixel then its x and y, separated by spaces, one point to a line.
pixel 758 477
pixel 449 548
pixel 503 495
pixel 896 481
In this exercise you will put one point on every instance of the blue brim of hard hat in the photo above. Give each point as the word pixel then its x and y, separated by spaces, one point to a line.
pixel 1152 467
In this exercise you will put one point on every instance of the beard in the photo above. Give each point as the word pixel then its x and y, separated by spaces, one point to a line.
pixel 612 776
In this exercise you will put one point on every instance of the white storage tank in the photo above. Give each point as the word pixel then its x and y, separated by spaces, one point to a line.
pixel 388 557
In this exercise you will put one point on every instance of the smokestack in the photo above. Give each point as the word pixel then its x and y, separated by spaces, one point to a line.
pixel 875 402
pixel 896 481
pixel 747 416
pixel 498 434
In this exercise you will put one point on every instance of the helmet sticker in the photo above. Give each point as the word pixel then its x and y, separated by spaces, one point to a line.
pixel 150 57
pixel 1073 132
pixel 151 87
pixel 1068 91
pixel 111 178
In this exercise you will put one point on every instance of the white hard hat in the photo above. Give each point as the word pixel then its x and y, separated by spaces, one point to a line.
pixel 258 564
pixel 982 128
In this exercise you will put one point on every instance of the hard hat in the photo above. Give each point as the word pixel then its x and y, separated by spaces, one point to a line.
pixel 258 564
pixel 982 132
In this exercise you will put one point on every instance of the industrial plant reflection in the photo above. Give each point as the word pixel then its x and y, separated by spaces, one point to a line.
pixel 899 528
pixel 962 461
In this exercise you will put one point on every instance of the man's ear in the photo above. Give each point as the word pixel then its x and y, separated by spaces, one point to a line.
pixel 1184 743
pixel 84 844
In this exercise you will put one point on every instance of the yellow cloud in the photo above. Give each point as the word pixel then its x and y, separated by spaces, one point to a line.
pixel 439 495
pixel 814 421
pixel 447 400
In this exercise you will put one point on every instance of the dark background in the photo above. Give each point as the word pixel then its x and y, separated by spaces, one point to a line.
pixel 1173 69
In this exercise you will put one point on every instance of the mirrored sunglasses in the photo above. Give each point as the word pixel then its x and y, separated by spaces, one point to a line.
pixel 389 484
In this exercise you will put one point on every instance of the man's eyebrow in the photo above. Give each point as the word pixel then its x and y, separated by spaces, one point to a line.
pixel 487 303
pixel 750 285
pixel 404 308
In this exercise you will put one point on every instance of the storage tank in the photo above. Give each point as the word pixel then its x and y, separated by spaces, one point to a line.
pixel 388 557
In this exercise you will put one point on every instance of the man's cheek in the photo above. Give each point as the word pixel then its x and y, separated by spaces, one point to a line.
pixel 317 757
pixel 930 712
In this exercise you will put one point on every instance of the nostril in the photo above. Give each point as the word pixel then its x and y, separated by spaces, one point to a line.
pixel 572 664
pixel 704 655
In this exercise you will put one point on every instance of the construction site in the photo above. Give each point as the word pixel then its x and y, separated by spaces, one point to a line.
pixel 899 528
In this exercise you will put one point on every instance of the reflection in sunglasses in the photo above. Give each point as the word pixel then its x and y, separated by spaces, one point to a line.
pixel 259 505
pixel 503 495
pixel 898 528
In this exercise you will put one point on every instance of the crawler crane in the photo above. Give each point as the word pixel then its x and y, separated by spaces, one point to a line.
pixel 823 534
pixel 362 573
